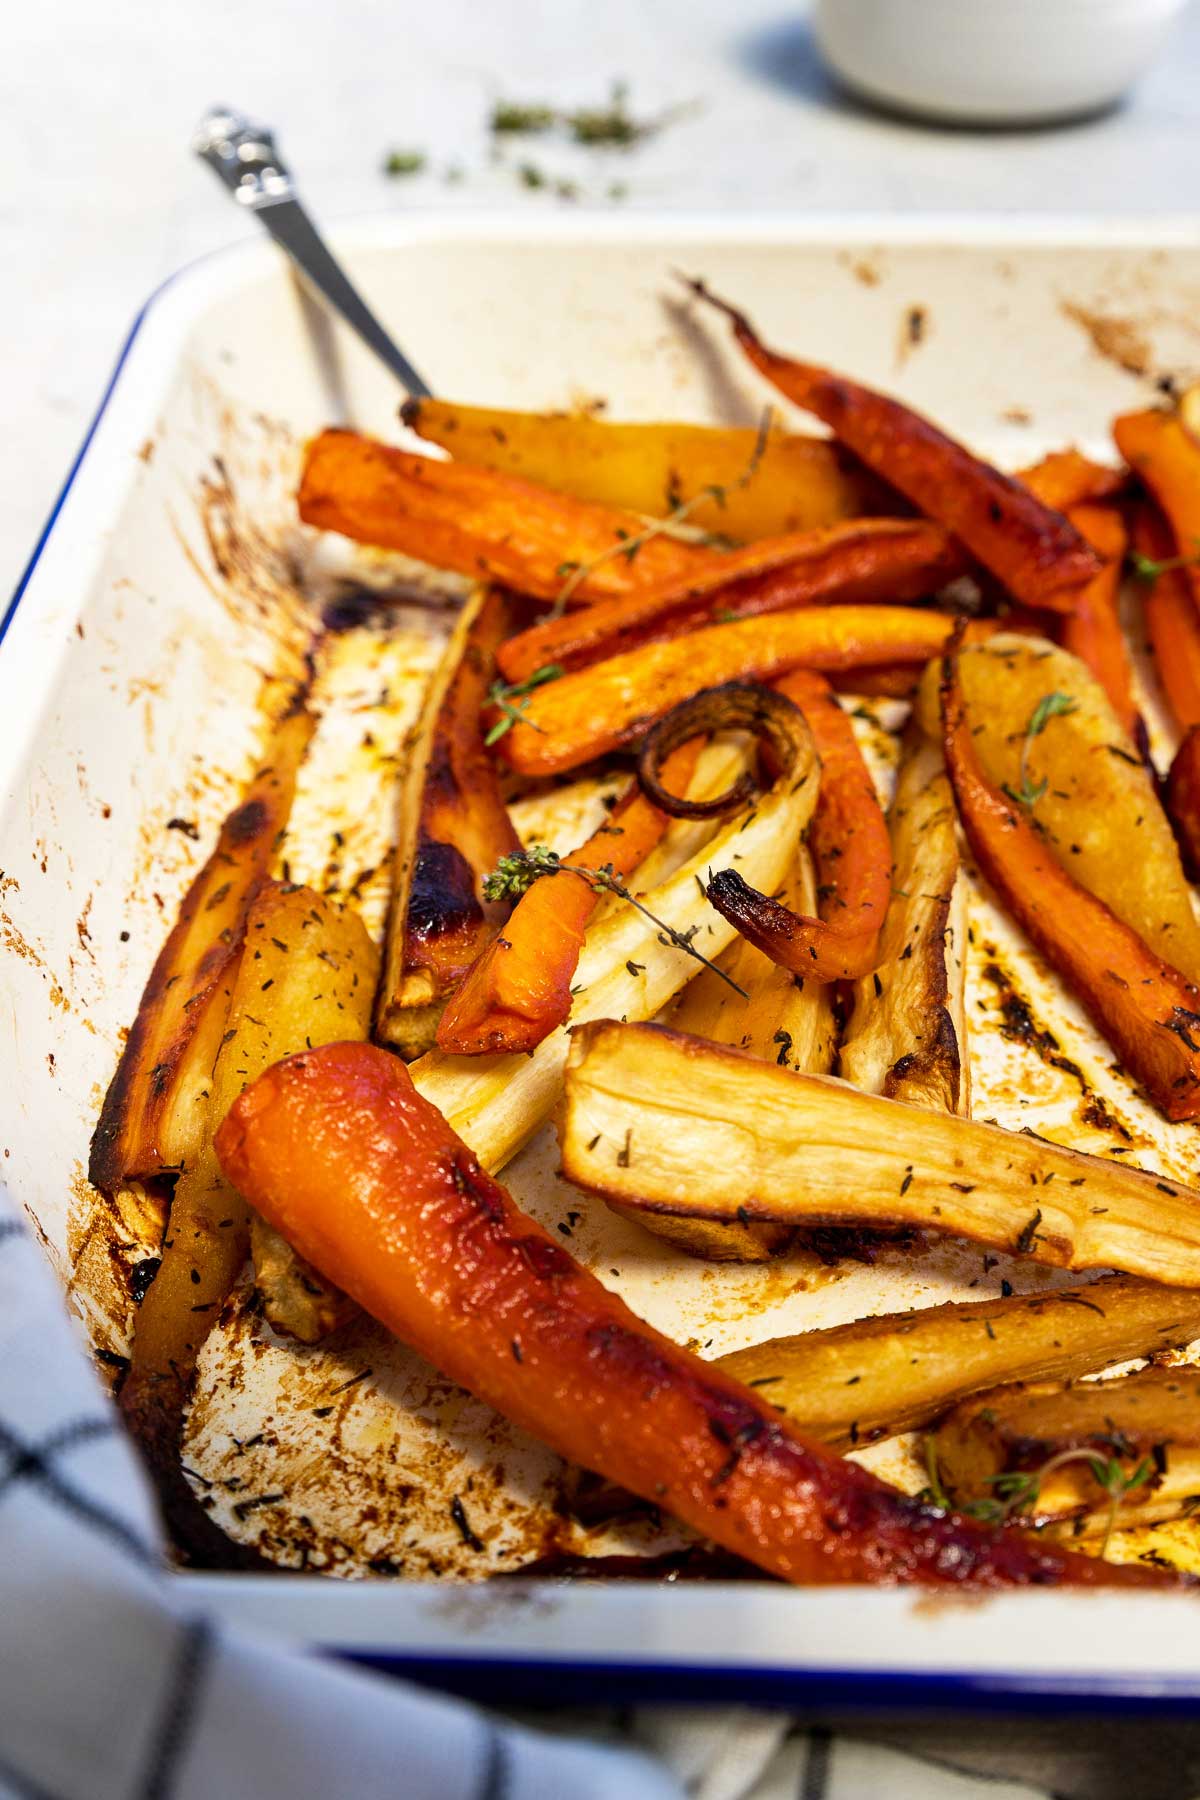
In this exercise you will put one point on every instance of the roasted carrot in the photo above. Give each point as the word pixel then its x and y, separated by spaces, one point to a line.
pixel 520 988
pixel 1182 799
pixel 1067 478
pixel 367 1180
pixel 1093 631
pixel 1161 450
pixel 1172 616
pixel 851 850
pixel 864 560
pixel 592 711
pixel 1038 556
pixel 1146 1009
pixel 484 524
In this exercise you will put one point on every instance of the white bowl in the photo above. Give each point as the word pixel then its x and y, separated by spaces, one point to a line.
pixel 992 62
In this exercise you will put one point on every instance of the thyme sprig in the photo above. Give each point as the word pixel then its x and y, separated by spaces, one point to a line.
pixel 1149 568
pixel 628 547
pixel 596 127
pixel 516 873
pixel 513 697
pixel 1050 706
pixel 1016 1491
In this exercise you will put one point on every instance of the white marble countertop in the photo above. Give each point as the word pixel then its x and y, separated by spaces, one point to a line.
pixel 100 199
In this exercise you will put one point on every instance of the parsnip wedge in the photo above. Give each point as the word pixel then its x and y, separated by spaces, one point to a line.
pixel 306 976
pixel 665 1123
pixel 778 1018
pixel 154 1113
pixel 627 968
pixel 1044 729
pixel 1077 1459
pixel 854 1384
pixel 907 1032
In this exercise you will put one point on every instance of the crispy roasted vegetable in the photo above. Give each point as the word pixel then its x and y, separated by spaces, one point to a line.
pixel 1045 733
pixel 1183 800
pixel 1077 1458
pixel 667 1123
pixel 1164 453
pixel 1040 558
pixel 453 828
pixel 907 1033
pixel 850 848
pixel 1172 616
pixel 154 1113
pixel 796 484
pixel 1067 478
pixel 1093 631
pixel 774 1017
pixel 632 964
pixel 520 988
pixel 306 975
pixel 341 1153
pixel 854 1384
pixel 593 711
pixel 1144 1006
pixel 891 560
pixel 484 524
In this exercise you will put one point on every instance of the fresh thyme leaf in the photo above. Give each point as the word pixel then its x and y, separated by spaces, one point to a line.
pixel 531 176
pixel 512 699
pixel 1050 706
pixel 515 873
pixel 1148 568
pixel 404 162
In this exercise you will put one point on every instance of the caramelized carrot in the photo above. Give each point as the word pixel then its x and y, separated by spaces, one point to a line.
pixel 1093 631
pixel 592 711
pixel 1172 617
pixel 863 560
pixel 1159 448
pixel 484 524
pixel 337 1150
pixel 851 850
pixel 1067 478
pixel 519 990
pixel 1144 1007
pixel 1182 800
pixel 1040 558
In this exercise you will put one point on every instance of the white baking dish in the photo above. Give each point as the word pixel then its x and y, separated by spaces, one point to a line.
pixel 127 688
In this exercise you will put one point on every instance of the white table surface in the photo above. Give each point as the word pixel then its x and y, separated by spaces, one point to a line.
pixel 99 198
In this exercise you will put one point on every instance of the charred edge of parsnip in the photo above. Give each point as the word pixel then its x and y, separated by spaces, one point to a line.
pixel 854 1384
pixel 907 1032
pixel 669 1124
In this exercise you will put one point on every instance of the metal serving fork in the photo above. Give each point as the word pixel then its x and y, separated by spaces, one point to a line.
pixel 245 158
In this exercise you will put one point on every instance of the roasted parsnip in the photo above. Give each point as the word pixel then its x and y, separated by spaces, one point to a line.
pixel 1076 1459
pixel 1143 1005
pixel 906 1036
pixel 1045 732
pixel 665 1123
pixel 154 1114
pixel 854 1384
pixel 340 1152
pixel 453 827
pixel 795 483
pixel 775 1017
pixel 306 975
pixel 631 965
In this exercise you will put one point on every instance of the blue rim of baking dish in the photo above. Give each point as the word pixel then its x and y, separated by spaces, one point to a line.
pixel 549 1679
